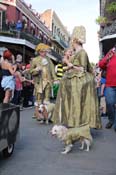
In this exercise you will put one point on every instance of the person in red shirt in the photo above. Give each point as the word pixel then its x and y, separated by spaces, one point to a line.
pixel 108 63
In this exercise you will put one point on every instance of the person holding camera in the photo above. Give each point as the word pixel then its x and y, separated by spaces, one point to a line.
pixel 108 63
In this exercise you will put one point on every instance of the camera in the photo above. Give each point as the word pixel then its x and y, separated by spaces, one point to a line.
pixel 114 48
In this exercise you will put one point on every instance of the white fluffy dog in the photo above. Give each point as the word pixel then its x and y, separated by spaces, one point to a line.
pixel 70 135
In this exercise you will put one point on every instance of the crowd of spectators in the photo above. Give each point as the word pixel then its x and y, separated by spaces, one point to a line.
pixel 18 27
pixel 22 93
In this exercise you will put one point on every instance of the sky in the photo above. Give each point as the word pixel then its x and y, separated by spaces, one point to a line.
pixel 75 13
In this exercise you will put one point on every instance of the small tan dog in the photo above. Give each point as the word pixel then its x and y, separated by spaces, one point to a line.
pixel 70 135
pixel 46 110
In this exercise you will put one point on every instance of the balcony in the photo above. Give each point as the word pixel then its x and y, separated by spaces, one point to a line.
pixel 64 44
pixel 60 42
pixel 108 30
pixel 12 36
pixel 56 55
pixel 22 35
pixel 34 40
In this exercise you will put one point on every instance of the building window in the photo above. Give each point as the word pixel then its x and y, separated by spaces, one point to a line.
pixel 52 28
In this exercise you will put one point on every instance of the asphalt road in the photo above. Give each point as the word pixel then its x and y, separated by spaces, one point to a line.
pixel 38 153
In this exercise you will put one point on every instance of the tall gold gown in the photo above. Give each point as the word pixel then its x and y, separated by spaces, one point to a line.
pixel 77 101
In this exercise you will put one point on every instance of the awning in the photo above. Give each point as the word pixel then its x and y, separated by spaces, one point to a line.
pixel 16 41
pixel 108 37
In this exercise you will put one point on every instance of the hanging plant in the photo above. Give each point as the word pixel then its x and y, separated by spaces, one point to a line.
pixel 111 8
pixel 101 20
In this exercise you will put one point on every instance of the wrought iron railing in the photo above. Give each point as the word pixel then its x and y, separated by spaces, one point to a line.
pixel 27 36
pixel 108 30
pixel 21 35
pixel 58 56
pixel 30 38
pixel 60 41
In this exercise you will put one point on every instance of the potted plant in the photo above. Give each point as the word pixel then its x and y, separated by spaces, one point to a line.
pixel 111 8
pixel 101 20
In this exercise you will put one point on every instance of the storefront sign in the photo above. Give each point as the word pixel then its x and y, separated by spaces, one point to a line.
pixel 9 2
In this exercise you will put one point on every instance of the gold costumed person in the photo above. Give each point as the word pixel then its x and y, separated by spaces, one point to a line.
pixel 42 70
pixel 77 101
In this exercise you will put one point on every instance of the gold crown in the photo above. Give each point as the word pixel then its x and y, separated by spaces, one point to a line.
pixel 42 47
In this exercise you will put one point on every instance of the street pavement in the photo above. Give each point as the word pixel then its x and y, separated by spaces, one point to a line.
pixel 38 153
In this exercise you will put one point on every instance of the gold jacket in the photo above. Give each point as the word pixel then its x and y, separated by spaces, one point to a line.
pixel 74 134
pixel 45 76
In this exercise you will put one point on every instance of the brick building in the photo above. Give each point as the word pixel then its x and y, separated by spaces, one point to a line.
pixel 21 29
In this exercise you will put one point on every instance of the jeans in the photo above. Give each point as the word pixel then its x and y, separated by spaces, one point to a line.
pixel 110 104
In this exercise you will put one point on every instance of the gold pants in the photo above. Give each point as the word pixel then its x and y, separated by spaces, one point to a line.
pixel 45 96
